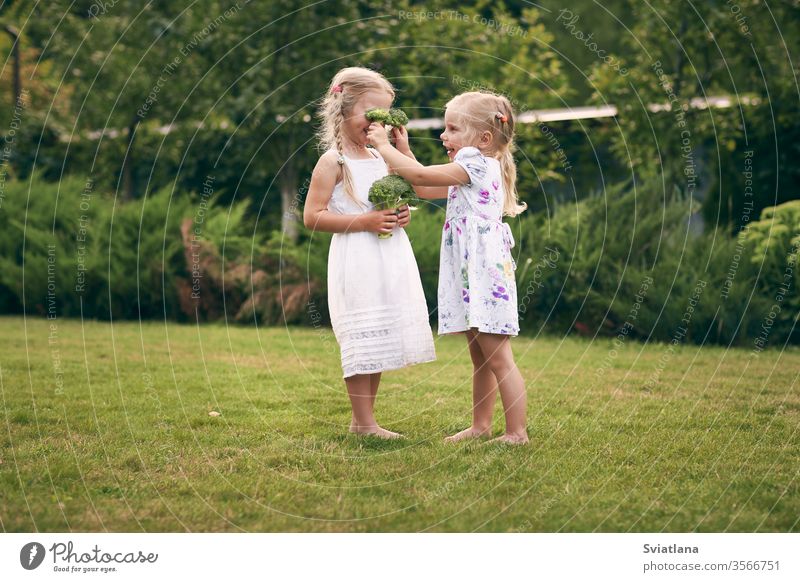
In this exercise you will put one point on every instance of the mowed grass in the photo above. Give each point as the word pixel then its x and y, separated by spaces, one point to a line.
pixel 129 445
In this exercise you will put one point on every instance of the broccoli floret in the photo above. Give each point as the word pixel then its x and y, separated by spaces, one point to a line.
pixel 391 192
pixel 394 117
pixel 397 118
pixel 377 114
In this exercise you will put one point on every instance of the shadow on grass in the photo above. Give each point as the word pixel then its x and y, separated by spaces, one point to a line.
pixel 367 442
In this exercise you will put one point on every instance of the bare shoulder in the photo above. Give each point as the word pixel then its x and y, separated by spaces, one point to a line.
pixel 328 163
pixel 326 174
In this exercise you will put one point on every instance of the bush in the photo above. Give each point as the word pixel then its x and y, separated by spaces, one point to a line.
pixel 66 248
pixel 632 260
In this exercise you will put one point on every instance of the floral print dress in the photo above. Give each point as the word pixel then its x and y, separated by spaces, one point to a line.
pixel 476 270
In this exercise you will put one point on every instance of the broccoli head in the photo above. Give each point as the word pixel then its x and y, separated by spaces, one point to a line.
pixel 377 114
pixel 397 118
pixel 394 117
pixel 391 192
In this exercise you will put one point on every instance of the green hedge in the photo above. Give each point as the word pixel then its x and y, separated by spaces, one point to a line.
pixel 70 251
pixel 630 263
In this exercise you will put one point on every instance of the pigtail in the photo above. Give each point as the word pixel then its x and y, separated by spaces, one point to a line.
pixel 511 204
pixel 505 155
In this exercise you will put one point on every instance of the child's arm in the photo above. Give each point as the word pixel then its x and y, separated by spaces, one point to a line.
pixel 418 175
pixel 316 215
pixel 400 135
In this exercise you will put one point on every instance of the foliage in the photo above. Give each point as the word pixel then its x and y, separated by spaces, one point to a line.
pixel 735 160
pixel 69 250
pixel 156 101
pixel 629 260
pixel 136 100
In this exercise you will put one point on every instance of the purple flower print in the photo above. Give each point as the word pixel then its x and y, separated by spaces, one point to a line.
pixel 500 292
pixel 447 234
pixel 453 190
pixel 465 295
pixel 495 184
pixel 509 329
pixel 483 197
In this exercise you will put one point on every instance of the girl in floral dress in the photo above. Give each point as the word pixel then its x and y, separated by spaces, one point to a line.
pixel 477 290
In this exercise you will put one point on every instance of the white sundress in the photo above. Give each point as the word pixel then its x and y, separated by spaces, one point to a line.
pixel 476 270
pixel 375 296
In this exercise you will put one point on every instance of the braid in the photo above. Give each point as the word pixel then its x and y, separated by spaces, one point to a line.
pixel 347 176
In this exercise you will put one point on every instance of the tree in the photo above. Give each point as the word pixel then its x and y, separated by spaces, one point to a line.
pixel 130 65
pixel 677 52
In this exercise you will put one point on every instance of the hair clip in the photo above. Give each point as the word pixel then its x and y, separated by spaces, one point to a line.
pixel 340 159
pixel 501 117
pixel 336 89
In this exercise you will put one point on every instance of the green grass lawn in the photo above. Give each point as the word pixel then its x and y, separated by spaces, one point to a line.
pixel 123 440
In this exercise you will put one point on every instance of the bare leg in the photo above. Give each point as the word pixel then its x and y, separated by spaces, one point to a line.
pixel 497 350
pixel 359 389
pixel 374 382
pixel 484 394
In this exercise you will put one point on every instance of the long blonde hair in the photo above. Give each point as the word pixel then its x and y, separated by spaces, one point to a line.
pixel 346 88
pixel 485 111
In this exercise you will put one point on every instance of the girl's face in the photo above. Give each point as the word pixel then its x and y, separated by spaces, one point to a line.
pixel 356 124
pixel 455 135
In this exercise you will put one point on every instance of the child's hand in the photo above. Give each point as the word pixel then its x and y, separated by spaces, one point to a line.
pixel 400 139
pixel 379 221
pixel 403 216
pixel 376 135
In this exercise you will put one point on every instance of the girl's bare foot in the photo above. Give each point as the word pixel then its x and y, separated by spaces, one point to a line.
pixel 510 439
pixel 469 433
pixel 376 431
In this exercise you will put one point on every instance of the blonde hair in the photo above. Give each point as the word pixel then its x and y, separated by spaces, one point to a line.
pixel 346 88
pixel 485 111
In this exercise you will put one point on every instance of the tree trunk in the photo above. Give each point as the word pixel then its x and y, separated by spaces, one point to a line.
pixel 17 84
pixel 127 162
pixel 290 202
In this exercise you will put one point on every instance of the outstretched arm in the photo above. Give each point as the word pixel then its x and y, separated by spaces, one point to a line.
pixel 400 136
pixel 418 175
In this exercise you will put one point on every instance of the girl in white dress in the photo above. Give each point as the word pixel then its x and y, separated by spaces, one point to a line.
pixel 375 297
pixel 477 291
